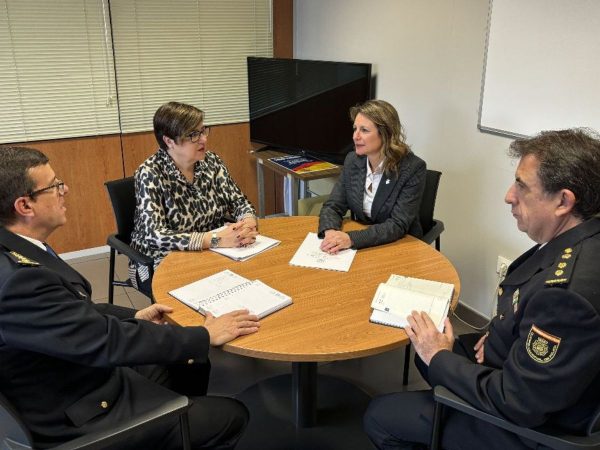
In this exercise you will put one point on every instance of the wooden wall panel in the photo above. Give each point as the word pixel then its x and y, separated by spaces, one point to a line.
pixel 283 28
pixel 84 164
pixel 137 147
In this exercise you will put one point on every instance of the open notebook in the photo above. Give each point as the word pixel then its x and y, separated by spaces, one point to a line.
pixel 227 291
pixel 399 296
pixel 309 254
pixel 243 253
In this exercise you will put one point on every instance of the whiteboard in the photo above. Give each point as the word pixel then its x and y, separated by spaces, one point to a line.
pixel 542 66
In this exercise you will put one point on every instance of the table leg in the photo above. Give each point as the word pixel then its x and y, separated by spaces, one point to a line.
pixel 304 393
pixel 260 180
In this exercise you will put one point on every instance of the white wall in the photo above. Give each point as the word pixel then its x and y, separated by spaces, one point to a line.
pixel 428 58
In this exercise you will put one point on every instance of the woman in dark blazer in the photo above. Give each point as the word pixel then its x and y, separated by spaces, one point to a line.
pixel 381 183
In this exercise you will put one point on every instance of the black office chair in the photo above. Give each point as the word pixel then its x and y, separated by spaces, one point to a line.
pixel 432 228
pixel 14 434
pixel 545 435
pixel 122 197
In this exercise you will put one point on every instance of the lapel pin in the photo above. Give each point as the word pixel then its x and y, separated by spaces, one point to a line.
pixel 387 181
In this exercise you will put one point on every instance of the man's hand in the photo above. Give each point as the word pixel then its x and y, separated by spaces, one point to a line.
pixel 154 313
pixel 479 348
pixel 227 327
pixel 426 338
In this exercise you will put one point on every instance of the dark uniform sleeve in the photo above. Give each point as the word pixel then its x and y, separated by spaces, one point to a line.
pixel 554 358
pixel 40 314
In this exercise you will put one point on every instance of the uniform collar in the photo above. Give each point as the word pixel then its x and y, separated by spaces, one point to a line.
pixel 537 259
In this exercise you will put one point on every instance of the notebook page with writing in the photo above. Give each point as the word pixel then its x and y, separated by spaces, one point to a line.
pixel 243 253
pixel 310 255
pixel 194 293
pixel 430 287
pixel 255 296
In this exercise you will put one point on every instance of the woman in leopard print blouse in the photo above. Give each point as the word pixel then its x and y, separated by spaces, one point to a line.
pixel 184 193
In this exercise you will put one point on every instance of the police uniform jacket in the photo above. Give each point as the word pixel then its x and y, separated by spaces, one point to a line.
pixel 62 357
pixel 542 355
pixel 395 209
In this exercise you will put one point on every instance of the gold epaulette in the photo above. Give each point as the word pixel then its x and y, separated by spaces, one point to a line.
pixel 560 274
pixel 22 260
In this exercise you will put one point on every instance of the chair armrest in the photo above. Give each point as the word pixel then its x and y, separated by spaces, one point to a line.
pixel 102 439
pixel 545 435
pixel 121 247
pixel 434 232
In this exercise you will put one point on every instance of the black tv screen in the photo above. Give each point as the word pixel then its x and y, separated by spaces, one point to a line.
pixel 302 107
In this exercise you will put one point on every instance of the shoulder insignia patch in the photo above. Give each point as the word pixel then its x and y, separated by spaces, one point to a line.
pixel 22 260
pixel 541 346
pixel 560 273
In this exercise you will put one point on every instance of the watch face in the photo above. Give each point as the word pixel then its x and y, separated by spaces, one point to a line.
pixel 214 241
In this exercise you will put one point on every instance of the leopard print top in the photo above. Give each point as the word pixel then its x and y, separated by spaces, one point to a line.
pixel 171 212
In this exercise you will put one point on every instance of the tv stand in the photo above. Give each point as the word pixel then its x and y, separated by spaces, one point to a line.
pixel 298 181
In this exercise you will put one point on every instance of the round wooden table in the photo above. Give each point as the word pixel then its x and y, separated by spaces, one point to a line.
pixel 329 317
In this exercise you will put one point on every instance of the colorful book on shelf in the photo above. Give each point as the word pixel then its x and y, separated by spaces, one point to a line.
pixel 227 291
pixel 395 300
pixel 302 164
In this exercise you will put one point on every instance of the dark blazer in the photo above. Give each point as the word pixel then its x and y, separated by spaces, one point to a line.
pixel 63 358
pixel 395 210
pixel 542 355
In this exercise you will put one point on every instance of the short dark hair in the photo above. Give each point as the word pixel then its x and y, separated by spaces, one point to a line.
pixel 569 159
pixel 15 163
pixel 175 120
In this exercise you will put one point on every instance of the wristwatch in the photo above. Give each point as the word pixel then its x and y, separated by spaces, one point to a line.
pixel 214 240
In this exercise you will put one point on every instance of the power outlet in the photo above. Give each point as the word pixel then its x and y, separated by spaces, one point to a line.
pixel 502 263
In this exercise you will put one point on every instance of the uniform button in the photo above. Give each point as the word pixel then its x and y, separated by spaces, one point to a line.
pixel 190 361
pixel 104 404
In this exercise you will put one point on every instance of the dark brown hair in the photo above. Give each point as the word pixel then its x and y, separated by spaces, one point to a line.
pixel 175 120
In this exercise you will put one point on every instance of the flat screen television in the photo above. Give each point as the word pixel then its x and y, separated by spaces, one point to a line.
pixel 302 107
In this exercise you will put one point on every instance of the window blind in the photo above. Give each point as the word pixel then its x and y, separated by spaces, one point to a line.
pixel 56 70
pixel 192 51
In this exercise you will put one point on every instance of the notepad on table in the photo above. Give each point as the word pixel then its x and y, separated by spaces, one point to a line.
pixel 309 254
pixel 227 291
pixel 395 300
pixel 243 253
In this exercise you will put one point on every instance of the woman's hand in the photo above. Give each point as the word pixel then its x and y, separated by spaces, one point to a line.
pixel 154 313
pixel 250 222
pixel 238 234
pixel 227 327
pixel 334 241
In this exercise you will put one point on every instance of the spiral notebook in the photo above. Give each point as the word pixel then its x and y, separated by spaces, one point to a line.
pixel 227 291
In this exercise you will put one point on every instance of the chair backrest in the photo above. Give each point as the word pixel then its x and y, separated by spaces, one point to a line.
pixel 13 433
pixel 432 182
pixel 122 197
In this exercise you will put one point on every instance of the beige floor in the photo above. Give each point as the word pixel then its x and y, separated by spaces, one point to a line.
pixel 95 269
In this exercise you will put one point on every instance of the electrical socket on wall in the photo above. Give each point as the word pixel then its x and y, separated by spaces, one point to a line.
pixel 502 265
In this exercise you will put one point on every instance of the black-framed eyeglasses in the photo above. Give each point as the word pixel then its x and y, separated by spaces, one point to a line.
pixel 194 136
pixel 58 184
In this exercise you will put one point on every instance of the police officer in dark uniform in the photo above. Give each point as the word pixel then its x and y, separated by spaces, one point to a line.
pixel 539 362
pixel 71 367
